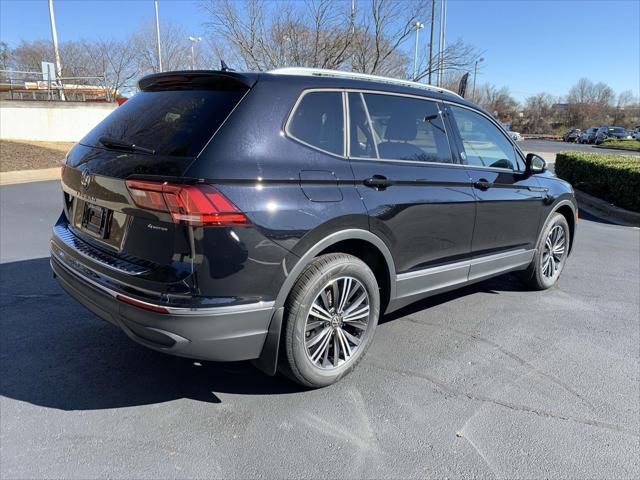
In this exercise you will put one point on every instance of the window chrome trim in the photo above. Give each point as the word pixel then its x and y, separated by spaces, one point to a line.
pixel 289 135
pixel 392 160
pixel 346 132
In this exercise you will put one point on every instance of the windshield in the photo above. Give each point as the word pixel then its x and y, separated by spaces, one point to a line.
pixel 170 123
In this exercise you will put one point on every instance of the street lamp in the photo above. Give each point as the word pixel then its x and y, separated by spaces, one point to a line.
pixel 415 53
pixel 155 4
pixel 193 41
pixel 475 72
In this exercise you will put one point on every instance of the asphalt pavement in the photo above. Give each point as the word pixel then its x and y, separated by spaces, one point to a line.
pixel 489 381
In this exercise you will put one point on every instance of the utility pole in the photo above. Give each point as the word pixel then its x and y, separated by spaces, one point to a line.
pixel 443 26
pixel 353 32
pixel 193 41
pixel 475 73
pixel 155 2
pixel 56 51
pixel 419 26
pixel 433 22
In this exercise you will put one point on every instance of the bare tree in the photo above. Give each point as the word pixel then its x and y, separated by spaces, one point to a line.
pixel 325 34
pixel 589 104
pixel 538 114
pixel 458 58
pixel 115 60
pixel 497 101
pixel 175 48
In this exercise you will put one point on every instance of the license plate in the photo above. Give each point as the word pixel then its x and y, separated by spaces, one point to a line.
pixel 96 220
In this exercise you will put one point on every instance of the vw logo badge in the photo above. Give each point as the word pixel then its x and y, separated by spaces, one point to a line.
pixel 85 181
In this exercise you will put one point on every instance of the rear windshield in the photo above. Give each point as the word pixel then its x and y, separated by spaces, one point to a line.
pixel 174 123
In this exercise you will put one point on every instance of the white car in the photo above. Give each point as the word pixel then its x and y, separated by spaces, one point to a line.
pixel 515 136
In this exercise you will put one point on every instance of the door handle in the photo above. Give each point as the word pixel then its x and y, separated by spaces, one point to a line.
pixel 482 184
pixel 379 182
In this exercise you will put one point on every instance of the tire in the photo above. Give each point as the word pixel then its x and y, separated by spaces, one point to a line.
pixel 328 327
pixel 544 270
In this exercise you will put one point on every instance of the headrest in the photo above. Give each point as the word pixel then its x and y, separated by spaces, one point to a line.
pixel 401 127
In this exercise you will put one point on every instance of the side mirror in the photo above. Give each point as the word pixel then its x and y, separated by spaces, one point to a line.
pixel 535 163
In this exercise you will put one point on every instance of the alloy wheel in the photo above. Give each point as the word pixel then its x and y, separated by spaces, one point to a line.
pixel 337 323
pixel 553 253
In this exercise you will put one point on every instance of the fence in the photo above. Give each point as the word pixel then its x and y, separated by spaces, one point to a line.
pixel 25 85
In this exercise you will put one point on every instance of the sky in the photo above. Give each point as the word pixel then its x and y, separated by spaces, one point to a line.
pixel 529 46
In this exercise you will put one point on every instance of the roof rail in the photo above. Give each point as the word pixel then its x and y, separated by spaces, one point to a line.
pixel 321 72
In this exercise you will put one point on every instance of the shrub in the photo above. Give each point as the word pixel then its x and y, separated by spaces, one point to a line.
pixel 612 177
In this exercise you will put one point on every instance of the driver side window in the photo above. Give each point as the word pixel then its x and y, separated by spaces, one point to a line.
pixel 482 142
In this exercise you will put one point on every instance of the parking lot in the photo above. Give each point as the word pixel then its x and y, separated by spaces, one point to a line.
pixel 547 148
pixel 488 381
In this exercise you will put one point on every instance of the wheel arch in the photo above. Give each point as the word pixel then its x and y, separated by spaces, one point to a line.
pixel 360 243
pixel 569 211
pixel 348 239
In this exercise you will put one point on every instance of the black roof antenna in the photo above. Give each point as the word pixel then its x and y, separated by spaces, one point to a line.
pixel 224 67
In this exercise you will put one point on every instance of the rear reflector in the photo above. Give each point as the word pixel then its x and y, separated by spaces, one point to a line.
pixel 198 205
pixel 144 305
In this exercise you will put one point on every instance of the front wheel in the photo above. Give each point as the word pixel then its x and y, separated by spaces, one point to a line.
pixel 552 250
pixel 331 316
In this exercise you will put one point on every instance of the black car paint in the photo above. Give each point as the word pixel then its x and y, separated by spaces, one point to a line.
pixel 301 201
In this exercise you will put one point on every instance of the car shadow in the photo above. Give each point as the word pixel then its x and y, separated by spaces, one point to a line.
pixel 54 353
pixel 57 354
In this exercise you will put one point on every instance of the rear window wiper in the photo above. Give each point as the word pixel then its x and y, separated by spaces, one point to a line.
pixel 115 143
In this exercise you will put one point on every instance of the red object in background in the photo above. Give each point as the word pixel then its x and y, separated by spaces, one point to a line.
pixel 121 100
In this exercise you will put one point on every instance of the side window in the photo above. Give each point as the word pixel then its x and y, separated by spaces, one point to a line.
pixel 407 128
pixel 361 143
pixel 318 121
pixel 483 143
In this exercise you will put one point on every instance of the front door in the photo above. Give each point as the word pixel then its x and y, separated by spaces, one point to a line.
pixel 419 199
pixel 510 201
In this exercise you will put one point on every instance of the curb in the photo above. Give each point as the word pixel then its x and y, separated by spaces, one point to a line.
pixel 26 176
pixel 607 211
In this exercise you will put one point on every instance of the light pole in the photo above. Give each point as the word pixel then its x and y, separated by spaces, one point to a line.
pixel 193 41
pixel 441 45
pixel 433 21
pixel 419 26
pixel 56 51
pixel 155 2
pixel 475 73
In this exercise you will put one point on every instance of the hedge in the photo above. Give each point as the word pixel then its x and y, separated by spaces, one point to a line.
pixel 612 177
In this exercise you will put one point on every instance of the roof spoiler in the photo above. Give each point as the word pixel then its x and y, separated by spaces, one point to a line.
pixel 196 80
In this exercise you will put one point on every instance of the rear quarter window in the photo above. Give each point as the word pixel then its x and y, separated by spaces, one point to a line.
pixel 317 121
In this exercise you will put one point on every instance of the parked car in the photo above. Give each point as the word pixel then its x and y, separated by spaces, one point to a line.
pixel 277 216
pixel 636 133
pixel 571 135
pixel 588 135
pixel 619 133
pixel 515 136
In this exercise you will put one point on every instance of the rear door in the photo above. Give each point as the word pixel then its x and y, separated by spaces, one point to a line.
pixel 420 201
pixel 510 201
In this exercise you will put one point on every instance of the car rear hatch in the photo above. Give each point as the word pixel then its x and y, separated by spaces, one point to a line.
pixel 129 214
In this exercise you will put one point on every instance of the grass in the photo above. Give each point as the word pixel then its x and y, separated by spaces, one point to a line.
pixel 609 176
pixel 631 145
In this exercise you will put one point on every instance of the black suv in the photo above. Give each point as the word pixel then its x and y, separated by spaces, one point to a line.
pixel 275 216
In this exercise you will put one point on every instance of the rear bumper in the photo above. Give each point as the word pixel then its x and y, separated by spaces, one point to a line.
pixel 227 333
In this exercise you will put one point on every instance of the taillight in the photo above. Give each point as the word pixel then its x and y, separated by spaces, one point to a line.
pixel 198 205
